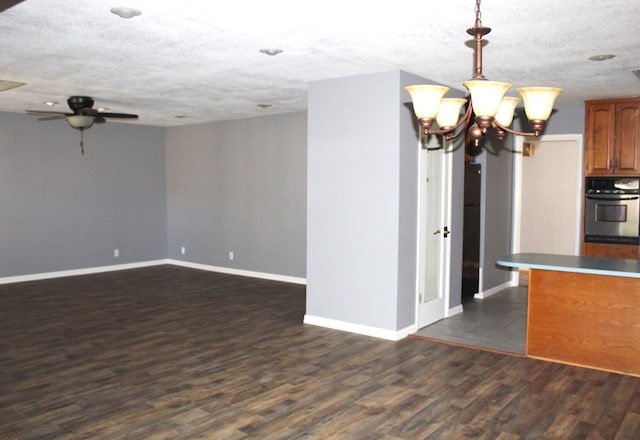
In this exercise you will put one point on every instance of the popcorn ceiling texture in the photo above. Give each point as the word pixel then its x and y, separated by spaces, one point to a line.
pixel 201 59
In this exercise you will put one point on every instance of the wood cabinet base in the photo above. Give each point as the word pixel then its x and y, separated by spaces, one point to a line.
pixel 586 320
pixel 629 251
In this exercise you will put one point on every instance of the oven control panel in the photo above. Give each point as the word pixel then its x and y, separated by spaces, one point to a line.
pixel 612 185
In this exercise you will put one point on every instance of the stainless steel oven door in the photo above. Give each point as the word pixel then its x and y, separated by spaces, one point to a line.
pixel 612 218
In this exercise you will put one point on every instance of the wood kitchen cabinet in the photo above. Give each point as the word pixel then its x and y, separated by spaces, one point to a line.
pixel 627 251
pixel 612 137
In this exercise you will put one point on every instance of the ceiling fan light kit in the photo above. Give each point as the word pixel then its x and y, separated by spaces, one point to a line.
pixel 80 121
pixel 493 111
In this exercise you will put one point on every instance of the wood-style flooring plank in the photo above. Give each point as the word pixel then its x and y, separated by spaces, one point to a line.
pixel 174 353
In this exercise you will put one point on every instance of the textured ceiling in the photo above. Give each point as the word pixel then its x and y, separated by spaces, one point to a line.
pixel 201 59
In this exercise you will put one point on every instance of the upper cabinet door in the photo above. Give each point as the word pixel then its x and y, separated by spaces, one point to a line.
pixel 599 138
pixel 612 137
pixel 627 136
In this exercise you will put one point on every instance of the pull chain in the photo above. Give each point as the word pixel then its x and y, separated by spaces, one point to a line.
pixel 82 140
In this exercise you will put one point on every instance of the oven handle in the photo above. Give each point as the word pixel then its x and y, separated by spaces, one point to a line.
pixel 612 198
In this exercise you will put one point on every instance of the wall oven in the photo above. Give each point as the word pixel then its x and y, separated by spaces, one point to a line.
pixel 612 210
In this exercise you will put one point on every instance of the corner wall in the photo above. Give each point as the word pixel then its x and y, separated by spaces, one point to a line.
pixel 362 203
pixel 239 186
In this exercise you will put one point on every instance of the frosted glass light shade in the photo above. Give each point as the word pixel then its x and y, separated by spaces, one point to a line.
pixel 80 121
pixel 486 96
pixel 426 99
pixel 449 112
pixel 538 101
pixel 505 112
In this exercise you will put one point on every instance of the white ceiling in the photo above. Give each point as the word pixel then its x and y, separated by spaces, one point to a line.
pixel 201 59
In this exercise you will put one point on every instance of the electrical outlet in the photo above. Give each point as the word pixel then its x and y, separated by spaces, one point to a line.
pixel 116 253
pixel 183 250
pixel 231 255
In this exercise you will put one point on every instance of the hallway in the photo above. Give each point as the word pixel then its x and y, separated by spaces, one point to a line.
pixel 497 323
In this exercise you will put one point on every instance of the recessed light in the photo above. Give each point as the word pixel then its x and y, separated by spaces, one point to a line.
pixel 51 103
pixel 271 52
pixel 125 12
pixel 602 57
pixel 180 116
pixel 264 105
pixel 102 109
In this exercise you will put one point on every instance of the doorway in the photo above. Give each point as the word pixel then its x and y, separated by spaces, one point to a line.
pixel 471 231
pixel 548 195
pixel 435 218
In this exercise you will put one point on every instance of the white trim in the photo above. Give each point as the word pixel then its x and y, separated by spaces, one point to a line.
pixel 487 293
pixel 390 335
pixel 100 269
pixel 516 202
pixel 245 273
pixel 75 272
pixel 456 310
pixel 437 308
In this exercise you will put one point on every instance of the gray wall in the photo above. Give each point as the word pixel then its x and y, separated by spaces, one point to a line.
pixel 362 204
pixel 239 186
pixel 496 209
pixel 564 120
pixel 62 210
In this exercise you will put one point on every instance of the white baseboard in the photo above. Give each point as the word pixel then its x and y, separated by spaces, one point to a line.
pixel 487 293
pixel 246 273
pixel 75 272
pixel 454 311
pixel 100 269
pixel 391 335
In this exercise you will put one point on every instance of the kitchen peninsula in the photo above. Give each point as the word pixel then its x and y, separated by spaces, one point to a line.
pixel 582 310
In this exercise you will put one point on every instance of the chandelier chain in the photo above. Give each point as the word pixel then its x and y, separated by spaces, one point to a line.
pixel 478 15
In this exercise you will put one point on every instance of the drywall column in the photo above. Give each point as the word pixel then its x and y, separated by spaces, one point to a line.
pixel 362 180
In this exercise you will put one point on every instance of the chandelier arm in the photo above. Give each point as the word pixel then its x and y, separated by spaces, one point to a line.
pixel 451 137
pixel 535 133
pixel 463 122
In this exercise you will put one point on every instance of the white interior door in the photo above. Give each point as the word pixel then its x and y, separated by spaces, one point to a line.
pixel 548 196
pixel 435 216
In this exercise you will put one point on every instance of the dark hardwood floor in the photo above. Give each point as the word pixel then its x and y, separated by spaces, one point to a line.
pixel 174 353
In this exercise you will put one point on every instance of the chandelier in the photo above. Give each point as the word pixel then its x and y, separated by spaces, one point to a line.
pixel 493 111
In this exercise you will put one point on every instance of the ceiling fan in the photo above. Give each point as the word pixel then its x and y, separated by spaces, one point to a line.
pixel 82 115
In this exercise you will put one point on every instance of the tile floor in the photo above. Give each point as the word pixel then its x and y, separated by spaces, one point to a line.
pixel 496 323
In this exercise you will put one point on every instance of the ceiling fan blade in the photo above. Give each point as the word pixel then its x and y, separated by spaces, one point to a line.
pixel 46 113
pixel 99 120
pixel 117 115
pixel 8 4
pixel 51 118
